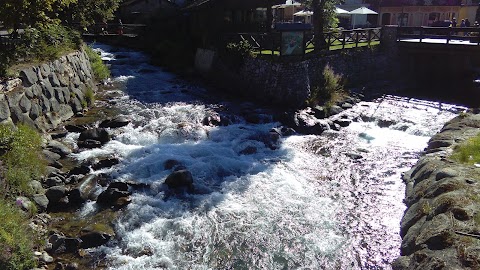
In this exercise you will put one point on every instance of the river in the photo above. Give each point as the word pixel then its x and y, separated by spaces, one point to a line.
pixel 332 201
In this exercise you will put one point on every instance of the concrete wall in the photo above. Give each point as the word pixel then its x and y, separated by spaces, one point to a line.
pixel 45 95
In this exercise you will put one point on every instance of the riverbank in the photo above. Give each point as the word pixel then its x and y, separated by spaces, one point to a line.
pixel 441 226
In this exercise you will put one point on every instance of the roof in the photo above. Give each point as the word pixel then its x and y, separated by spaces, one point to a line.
pixel 232 3
pixel 133 2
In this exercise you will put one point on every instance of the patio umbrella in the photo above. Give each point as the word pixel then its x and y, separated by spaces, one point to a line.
pixel 361 11
pixel 341 11
pixel 303 13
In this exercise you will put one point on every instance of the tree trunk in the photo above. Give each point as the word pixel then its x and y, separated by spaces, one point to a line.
pixel 318 24
pixel 269 17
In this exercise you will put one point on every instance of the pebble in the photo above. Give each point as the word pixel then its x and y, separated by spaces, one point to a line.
pixel 46 258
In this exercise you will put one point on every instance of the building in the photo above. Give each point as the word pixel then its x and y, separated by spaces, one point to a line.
pixel 425 12
pixel 209 20
pixel 137 11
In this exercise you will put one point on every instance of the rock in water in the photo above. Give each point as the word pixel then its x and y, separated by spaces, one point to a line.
pixel 180 179
pixel 119 121
pixel 96 134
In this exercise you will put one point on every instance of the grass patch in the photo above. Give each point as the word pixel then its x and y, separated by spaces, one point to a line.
pixel 100 70
pixel 335 46
pixel 15 239
pixel 20 150
pixel 468 152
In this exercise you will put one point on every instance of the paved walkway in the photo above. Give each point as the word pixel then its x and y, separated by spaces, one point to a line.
pixel 439 41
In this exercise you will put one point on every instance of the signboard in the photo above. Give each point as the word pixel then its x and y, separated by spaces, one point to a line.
pixel 292 43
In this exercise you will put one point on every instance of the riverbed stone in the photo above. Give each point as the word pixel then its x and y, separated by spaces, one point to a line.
pixel 59 148
pixel 110 196
pixel 97 134
pixel 116 122
pixel 181 179
pixel 105 163
pixel 94 239
pixel 55 193
pixel 85 190
pixel 42 201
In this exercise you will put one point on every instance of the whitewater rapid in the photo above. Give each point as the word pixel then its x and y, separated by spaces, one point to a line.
pixel 332 201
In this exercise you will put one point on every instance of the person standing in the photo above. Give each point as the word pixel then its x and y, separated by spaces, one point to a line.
pixel 120 27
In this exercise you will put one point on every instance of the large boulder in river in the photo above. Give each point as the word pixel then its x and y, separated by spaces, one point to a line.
pixel 99 135
pixel 119 121
pixel 116 194
pixel 180 180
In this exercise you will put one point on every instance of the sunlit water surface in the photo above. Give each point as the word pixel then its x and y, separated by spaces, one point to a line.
pixel 316 202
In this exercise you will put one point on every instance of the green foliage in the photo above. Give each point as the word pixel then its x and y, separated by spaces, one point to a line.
pixel 100 70
pixel 15 239
pixel 469 151
pixel 21 156
pixel 329 91
pixel 88 12
pixel 40 43
pixel 25 13
pixel 236 53
pixel 48 42
pixel 242 48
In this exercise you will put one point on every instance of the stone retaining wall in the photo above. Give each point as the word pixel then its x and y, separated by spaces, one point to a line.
pixel 441 226
pixel 44 96
pixel 288 81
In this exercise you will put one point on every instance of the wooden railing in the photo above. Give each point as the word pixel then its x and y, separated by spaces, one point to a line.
pixel 7 42
pixel 111 29
pixel 270 43
pixel 422 33
pixel 353 38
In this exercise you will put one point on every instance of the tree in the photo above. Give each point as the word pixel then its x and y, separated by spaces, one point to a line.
pixel 15 13
pixel 88 12
pixel 323 18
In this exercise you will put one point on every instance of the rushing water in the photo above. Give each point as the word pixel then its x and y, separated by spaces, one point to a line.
pixel 311 202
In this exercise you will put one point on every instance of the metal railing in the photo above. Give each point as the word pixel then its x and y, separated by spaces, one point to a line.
pixel 424 34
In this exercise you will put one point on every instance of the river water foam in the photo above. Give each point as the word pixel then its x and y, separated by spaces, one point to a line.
pixel 332 201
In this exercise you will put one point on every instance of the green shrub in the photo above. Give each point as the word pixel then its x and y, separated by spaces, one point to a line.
pixel 469 151
pixel 89 96
pixel 100 70
pixel 329 91
pixel 236 53
pixel 40 43
pixel 48 42
pixel 15 239
pixel 21 157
